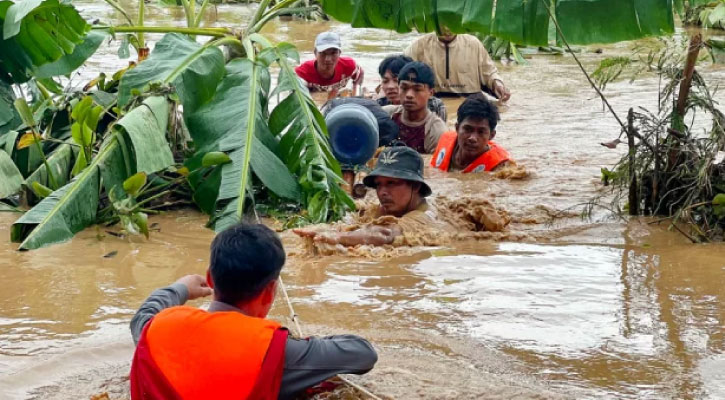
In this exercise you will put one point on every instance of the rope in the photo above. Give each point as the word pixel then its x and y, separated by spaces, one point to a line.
pixel 295 320
pixel 599 92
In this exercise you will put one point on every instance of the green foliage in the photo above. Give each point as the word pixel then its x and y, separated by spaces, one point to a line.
pixel 37 33
pixel 214 158
pixel 676 172
pixel 10 178
pixel 133 184
pixel 74 206
pixel 303 143
pixel 235 122
pixel 9 118
pixel 192 69
pixel 60 162
pixel 718 204
pixel 40 190
pixel 68 63
pixel 610 69
pixel 520 21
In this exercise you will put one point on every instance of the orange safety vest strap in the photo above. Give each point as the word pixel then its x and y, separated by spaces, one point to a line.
pixel 488 160
pixel 485 162
pixel 147 380
pixel 270 377
pixel 218 355
pixel 444 151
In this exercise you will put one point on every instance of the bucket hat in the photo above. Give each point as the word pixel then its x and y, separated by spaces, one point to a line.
pixel 400 162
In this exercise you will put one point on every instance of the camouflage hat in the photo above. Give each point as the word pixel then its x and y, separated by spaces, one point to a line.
pixel 400 162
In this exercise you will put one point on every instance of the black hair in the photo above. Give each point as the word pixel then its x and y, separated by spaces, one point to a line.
pixel 244 259
pixel 393 64
pixel 477 106
pixel 423 73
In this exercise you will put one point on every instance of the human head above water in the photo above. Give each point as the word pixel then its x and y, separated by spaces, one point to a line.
pixel 476 125
pixel 398 180
pixel 246 260
pixel 476 106
pixel 416 81
pixel 388 70
pixel 446 36
pixel 328 48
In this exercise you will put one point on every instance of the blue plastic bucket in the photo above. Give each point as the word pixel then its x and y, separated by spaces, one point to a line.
pixel 353 133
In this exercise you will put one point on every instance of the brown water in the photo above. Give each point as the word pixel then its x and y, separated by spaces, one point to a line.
pixel 582 309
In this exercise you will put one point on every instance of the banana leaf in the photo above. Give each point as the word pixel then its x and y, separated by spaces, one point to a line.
pixel 36 33
pixel 70 62
pixel 520 21
pixel 67 210
pixel 304 143
pixel 60 162
pixel 194 71
pixel 9 118
pixel 146 128
pixel 234 122
pixel 10 178
pixel 73 207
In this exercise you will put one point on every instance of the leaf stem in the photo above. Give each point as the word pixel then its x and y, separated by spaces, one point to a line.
pixel 120 9
pixel 140 36
pixel 200 14
pixel 599 92
pixel 217 32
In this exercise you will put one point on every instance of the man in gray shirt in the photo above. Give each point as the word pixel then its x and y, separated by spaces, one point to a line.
pixel 245 259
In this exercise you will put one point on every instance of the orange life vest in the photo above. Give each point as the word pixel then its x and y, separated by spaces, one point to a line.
pixel 188 353
pixel 487 161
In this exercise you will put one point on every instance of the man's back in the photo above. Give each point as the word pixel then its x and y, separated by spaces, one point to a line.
pixel 306 362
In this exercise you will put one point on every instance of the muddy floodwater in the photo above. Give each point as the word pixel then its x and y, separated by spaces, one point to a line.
pixel 565 308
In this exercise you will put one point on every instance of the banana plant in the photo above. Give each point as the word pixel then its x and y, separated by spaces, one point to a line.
pixel 524 22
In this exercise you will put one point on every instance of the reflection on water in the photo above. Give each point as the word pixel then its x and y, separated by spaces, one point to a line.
pixel 633 314
pixel 618 321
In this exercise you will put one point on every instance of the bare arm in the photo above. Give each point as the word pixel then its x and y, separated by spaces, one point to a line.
pixel 373 235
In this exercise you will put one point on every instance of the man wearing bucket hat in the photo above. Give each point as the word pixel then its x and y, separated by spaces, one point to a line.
pixel 401 190
pixel 329 72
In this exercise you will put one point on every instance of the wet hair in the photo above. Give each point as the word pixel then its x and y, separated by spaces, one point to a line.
pixel 423 73
pixel 477 106
pixel 393 64
pixel 244 259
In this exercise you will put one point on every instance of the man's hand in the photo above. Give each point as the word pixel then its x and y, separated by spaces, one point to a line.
pixel 317 236
pixel 501 91
pixel 197 286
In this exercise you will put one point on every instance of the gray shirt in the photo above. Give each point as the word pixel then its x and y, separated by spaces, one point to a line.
pixel 307 361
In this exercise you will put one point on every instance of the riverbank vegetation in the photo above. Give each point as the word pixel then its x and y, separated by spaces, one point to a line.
pixel 185 125
pixel 674 167
pixel 192 122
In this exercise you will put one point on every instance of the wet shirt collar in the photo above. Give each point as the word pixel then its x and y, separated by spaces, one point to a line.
pixel 218 306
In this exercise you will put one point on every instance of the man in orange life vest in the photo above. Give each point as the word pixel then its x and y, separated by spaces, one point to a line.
pixel 469 148
pixel 231 351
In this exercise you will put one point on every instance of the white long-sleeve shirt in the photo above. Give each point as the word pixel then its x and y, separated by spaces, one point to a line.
pixel 462 66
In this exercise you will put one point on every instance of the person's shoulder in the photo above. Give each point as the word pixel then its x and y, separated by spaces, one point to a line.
pixel 500 150
pixel 469 40
pixel 434 120
pixel 424 40
pixel 393 109
pixel 347 64
pixel 306 69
